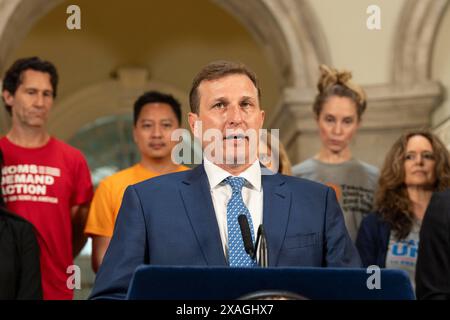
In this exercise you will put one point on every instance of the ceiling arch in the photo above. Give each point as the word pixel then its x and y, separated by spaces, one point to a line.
pixel 290 35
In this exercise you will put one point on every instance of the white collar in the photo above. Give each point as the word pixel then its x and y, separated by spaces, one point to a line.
pixel 216 174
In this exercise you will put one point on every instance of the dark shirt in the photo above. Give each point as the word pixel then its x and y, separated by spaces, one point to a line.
pixel 373 240
pixel 433 265
pixel 20 276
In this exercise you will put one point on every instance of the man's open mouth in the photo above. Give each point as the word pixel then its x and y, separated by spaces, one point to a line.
pixel 235 137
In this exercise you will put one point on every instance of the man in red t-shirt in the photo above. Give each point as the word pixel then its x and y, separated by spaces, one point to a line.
pixel 45 180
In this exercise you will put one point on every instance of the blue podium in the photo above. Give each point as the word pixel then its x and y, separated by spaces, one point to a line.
pixel 221 283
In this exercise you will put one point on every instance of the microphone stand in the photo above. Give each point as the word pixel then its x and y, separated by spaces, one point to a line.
pixel 261 248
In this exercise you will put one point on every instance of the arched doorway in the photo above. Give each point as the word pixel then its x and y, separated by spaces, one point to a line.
pixel 290 38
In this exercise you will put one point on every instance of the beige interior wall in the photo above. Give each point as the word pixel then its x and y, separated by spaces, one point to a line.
pixel 147 34
pixel 367 53
pixel 172 39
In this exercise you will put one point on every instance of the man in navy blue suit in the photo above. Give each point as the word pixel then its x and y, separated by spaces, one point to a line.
pixel 183 218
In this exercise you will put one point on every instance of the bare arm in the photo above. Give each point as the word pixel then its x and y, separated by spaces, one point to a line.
pixel 99 246
pixel 79 215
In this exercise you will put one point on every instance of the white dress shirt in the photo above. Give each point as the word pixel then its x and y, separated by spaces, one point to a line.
pixel 252 194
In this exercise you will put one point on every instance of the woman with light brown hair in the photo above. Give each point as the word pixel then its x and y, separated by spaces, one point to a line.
pixel 417 165
pixel 338 108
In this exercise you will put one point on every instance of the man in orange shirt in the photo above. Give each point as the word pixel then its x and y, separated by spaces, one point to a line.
pixel 156 116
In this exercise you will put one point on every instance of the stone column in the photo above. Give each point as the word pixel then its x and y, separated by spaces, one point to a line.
pixel 443 131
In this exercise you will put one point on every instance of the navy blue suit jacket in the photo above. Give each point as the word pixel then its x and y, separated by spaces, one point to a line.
pixel 372 240
pixel 433 261
pixel 170 220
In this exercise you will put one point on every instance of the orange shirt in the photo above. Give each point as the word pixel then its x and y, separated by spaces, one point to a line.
pixel 108 198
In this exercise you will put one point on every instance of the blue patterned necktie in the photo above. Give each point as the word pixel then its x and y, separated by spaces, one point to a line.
pixel 237 257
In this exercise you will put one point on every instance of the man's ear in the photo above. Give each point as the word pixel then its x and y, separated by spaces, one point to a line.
pixel 196 125
pixel 192 118
pixel 8 98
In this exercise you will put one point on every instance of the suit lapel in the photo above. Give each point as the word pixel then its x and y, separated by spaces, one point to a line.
pixel 196 195
pixel 276 203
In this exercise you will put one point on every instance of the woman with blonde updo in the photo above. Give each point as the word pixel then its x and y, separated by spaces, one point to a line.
pixel 338 107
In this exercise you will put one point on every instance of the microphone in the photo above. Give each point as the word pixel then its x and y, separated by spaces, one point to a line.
pixel 246 235
pixel 261 248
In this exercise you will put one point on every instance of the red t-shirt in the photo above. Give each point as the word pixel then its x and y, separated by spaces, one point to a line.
pixel 42 185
